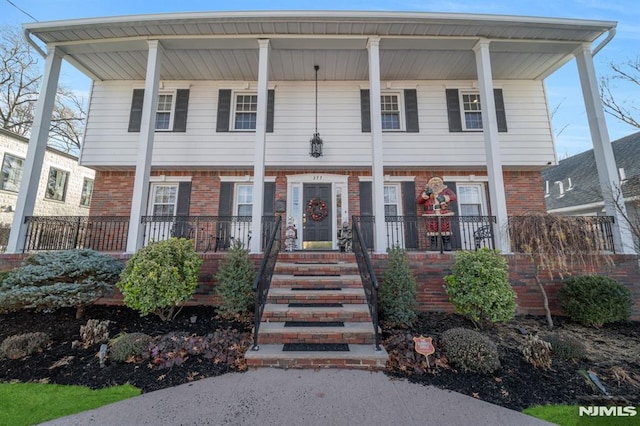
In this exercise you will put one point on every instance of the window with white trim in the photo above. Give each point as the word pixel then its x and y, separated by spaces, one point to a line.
pixel 244 200
pixel 471 110
pixel 164 199
pixel 245 111
pixel 390 107
pixel 392 200
pixel 12 167
pixel 471 199
pixel 164 111
pixel 56 184
pixel 87 192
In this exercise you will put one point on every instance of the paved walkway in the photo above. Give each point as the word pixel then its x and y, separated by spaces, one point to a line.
pixel 301 397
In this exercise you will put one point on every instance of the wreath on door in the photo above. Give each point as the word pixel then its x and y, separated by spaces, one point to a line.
pixel 317 209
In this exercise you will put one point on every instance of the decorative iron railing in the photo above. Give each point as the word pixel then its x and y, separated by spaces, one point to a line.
pixel 262 282
pixel 101 233
pixel 595 229
pixel 432 233
pixel 367 276
pixel 109 233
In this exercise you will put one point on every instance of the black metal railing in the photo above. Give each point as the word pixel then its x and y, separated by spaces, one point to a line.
pixel 262 282
pixel 101 233
pixel 596 229
pixel 432 233
pixel 367 276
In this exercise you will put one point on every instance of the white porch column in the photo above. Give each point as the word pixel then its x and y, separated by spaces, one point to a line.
pixel 492 146
pixel 135 239
pixel 261 139
pixel 602 150
pixel 35 151
pixel 377 168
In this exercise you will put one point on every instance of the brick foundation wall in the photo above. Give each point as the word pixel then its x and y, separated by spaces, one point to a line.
pixel 430 269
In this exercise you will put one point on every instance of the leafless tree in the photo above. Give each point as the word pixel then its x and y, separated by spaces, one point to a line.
pixel 622 108
pixel 626 201
pixel 20 79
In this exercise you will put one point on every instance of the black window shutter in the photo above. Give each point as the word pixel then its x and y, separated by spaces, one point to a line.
pixel 184 198
pixel 500 112
pixel 269 208
pixel 224 110
pixel 366 212
pixel 409 210
pixel 226 199
pixel 135 116
pixel 365 110
pixel 270 109
pixel 182 105
pixel 453 110
pixel 411 110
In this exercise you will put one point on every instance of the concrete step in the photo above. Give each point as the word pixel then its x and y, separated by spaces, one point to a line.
pixel 344 295
pixel 351 333
pixel 358 357
pixel 317 268
pixel 346 313
pixel 311 282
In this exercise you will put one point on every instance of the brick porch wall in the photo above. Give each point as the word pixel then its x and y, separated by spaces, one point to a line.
pixel 430 269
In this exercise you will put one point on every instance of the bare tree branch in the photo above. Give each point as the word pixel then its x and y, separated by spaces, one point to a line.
pixel 627 74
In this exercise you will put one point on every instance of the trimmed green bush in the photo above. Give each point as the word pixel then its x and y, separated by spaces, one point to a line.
pixel 536 351
pixel 566 347
pixel 130 347
pixel 595 300
pixel 470 350
pixel 479 287
pixel 51 280
pixel 234 283
pixel 161 276
pixel 397 292
pixel 21 345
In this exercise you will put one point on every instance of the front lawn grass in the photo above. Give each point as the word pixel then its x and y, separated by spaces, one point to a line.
pixel 33 403
pixel 567 415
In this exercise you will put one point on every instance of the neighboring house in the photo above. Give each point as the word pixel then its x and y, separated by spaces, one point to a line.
pixel 64 189
pixel 573 188
pixel 211 114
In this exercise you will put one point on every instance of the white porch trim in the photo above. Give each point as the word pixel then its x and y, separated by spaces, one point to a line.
pixel 35 152
pixel 492 146
pixel 139 200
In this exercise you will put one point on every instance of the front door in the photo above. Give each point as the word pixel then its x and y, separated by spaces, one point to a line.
pixel 317 217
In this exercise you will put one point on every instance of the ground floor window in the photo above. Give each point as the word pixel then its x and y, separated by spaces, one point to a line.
pixel 164 199
pixel 471 200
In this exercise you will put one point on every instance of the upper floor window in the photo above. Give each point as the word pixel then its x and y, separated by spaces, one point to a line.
pixel 57 184
pixel 390 106
pixel 12 172
pixel 471 111
pixel 164 111
pixel 246 110
pixel 87 192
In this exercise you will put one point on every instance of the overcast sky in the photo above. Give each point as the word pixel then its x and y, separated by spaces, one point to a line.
pixel 563 88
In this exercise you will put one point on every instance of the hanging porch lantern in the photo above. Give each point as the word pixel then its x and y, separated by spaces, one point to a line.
pixel 316 141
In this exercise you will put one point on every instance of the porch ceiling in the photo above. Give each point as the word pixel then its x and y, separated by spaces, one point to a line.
pixel 223 46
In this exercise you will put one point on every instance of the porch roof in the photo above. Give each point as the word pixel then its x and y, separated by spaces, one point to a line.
pixel 222 45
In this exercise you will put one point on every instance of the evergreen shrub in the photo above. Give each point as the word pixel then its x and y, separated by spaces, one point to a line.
pixel 470 350
pixel 160 277
pixel 595 300
pixel 128 347
pixel 478 286
pixel 60 279
pixel 234 283
pixel 397 292
pixel 21 345
pixel 566 347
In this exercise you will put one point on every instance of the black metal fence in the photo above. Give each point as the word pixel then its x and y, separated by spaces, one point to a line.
pixel 109 233
pixel 432 233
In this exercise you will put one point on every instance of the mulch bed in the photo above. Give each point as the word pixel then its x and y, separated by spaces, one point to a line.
pixel 516 385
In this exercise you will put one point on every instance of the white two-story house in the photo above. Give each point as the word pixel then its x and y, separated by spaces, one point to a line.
pixel 316 116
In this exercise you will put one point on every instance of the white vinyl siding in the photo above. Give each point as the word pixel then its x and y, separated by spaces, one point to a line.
pixel 529 141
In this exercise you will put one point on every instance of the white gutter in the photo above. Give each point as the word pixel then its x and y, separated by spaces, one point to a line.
pixel 27 36
pixel 610 34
